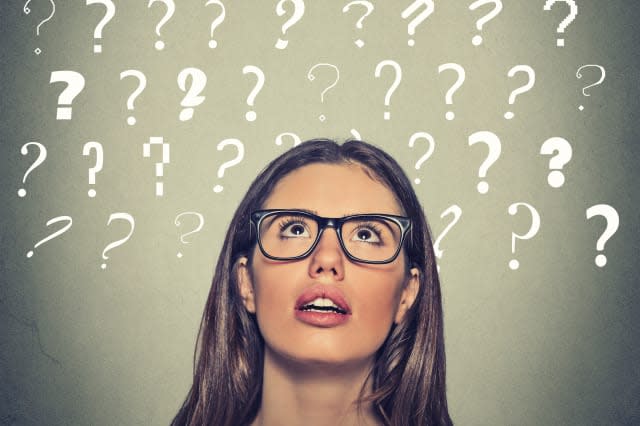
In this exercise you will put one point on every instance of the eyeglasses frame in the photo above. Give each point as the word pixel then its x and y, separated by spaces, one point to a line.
pixel 403 222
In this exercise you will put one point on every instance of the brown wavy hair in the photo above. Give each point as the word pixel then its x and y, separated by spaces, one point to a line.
pixel 408 375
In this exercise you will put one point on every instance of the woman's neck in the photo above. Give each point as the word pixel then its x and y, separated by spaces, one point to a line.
pixel 313 394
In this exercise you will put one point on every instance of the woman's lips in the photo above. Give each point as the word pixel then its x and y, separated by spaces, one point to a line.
pixel 322 318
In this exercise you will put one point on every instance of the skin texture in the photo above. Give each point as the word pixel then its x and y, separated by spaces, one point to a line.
pixel 312 374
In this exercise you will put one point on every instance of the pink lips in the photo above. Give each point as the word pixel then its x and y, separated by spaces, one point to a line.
pixel 322 319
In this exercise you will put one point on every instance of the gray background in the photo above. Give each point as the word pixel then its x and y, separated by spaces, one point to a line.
pixel 555 342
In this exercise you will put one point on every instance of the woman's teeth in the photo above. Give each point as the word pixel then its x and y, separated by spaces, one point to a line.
pixel 322 305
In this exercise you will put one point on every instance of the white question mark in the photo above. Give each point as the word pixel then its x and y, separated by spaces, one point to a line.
pixel 613 222
pixel 142 83
pixel 146 152
pixel 449 96
pixel 312 77
pixel 251 115
pixel 368 6
pixel 355 134
pixel 26 10
pixel 42 155
pixel 86 150
pixel 240 148
pixel 55 234
pixel 603 74
pixel 109 14
pixel 193 97
pixel 477 39
pixel 296 139
pixel 410 10
pixel 298 12
pixel 75 84
pixel 573 7
pixel 396 81
pixel 118 216
pixel 216 22
pixel 456 211
pixel 171 8
pixel 533 230
pixel 426 155
pixel 532 81
pixel 564 152
pixel 198 228
pixel 495 147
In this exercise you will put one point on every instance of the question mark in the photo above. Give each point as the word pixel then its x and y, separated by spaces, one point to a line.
pixel 456 211
pixel 298 12
pixel 55 234
pixel 192 98
pixel 109 14
pixel 86 150
pixel 27 11
pixel 198 228
pixel 495 147
pixel 532 81
pixel 75 84
pixel 146 152
pixel 603 74
pixel 410 10
pixel 533 230
pixel 355 134
pixel 296 139
pixel 171 8
pixel 613 222
pixel 425 157
pixel 240 147
pixel 42 155
pixel 118 216
pixel 394 86
pixel 142 83
pixel 368 6
pixel 573 7
pixel 312 77
pixel 563 149
pixel 251 115
pixel 477 39
pixel 449 96
pixel 216 22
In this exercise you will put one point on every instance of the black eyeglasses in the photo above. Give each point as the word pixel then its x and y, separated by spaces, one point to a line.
pixel 293 234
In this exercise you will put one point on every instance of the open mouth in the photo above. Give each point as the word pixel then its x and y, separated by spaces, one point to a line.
pixel 321 304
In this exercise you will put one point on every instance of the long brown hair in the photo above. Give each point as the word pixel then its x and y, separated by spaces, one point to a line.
pixel 408 376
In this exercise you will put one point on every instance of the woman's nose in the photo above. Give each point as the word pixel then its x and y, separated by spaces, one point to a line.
pixel 327 257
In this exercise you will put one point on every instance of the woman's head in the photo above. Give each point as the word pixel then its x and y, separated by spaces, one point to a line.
pixel 403 342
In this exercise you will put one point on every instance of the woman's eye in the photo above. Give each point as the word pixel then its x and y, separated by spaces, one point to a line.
pixel 294 230
pixel 367 235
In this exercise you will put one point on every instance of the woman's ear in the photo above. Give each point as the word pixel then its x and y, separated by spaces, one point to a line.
pixel 409 294
pixel 245 286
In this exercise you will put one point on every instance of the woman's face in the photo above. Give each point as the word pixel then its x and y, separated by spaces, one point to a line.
pixel 375 295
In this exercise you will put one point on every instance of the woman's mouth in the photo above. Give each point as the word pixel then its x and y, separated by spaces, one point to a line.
pixel 322 306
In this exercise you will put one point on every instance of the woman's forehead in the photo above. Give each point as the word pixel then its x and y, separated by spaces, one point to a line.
pixel 333 190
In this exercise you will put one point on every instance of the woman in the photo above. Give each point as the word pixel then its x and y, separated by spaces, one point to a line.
pixel 325 304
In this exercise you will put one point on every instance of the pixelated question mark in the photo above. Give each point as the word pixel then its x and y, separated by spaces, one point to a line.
pixel 613 222
pixel 42 155
pixel 603 74
pixel 495 148
pixel 410 10
pixel 171 8
pixel 142 83
pixel 27 11
pixel 365 4
pixel 573 12
pixel 522 89
pixel 312 77
pixel 166 159
pixel 298 12
pixel 238 158
pixel 563 151
pixel 86 151
pixel 251 115
pixel 109 14
pixel 118 216
pixel 396 81
pixel 55 234
pixel 533 230
pixel 456 211
pixel 449 96
pixel 427 154
pixel 75 84
pixel 197 229
pixel 216 22
pixel 296 139
pixel 477 39
pixel 192 98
